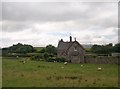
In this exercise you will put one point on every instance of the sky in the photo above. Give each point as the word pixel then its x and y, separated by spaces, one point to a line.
pixel 43 23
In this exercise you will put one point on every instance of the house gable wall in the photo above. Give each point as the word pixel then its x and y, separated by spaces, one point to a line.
pixel 75 53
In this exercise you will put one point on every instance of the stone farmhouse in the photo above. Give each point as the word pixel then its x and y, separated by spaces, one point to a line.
pixel 72 51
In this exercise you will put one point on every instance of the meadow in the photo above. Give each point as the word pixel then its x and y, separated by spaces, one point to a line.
pixel 0 72
pixel 54 74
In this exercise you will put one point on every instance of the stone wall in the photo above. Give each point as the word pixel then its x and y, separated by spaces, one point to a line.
pixel 102 60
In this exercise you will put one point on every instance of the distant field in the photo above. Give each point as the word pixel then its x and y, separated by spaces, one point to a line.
pixel 38 48
pixel 49 74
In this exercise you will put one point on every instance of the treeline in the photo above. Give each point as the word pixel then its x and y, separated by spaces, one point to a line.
pixel 51 50
pixel 25 48
pixel 49 53
pixel 105 49
pixel 18 48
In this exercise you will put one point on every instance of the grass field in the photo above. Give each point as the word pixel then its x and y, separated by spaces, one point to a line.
pixel 49 74
pixel 0 71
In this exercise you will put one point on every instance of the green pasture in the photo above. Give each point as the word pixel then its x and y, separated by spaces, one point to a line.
pixel 0 71
pixel 54 74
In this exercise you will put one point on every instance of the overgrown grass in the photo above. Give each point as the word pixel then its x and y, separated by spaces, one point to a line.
pixel 49 74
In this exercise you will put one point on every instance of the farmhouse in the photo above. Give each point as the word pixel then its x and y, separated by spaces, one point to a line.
pixel 72 51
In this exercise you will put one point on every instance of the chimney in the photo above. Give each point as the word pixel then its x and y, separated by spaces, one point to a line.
pixel 70 38
pixel 75 38
pixel 61 40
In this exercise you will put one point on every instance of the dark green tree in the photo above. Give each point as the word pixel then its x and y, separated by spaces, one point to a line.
pixel 102 49
pixel 20 48
pixel 51 49
pixel 46 55
pixel 116 48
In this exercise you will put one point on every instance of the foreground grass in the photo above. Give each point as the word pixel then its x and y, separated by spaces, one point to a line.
pixel 0 71
pixel 48 74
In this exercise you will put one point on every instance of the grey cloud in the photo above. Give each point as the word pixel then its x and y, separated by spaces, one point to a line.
pixel 12 26
pixel 74 17
pixel 53 11
pixel 87 14
pixel 0 11
pixel 40 11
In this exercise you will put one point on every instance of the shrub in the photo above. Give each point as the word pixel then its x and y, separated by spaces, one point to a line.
pixel 52 59
pixel 46 55
pixel 60 59
pixel 37 57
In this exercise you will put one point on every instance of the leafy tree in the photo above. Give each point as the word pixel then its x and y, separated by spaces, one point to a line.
pixel 116 48
pixel 46 55
pixel 102 49
pixel 51 49
pixel 20 48
pixel 4 51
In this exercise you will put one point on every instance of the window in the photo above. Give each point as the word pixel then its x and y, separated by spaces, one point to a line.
pixel 75 48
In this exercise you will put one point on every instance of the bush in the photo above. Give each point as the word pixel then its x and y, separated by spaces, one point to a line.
pixel 52 59
pixel 46 55
pixel 60 59
pixel 37 57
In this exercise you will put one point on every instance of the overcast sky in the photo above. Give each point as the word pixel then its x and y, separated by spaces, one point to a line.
pixel 43 23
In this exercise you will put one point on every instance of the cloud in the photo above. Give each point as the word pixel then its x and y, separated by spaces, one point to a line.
pixel 45 23
pixel 54 11
pixel 12 26
pixel 42 11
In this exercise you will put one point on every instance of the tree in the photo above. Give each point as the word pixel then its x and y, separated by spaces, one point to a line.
pixel 46 55
pixel 116 48
pixel 102 49
pixel 20 48
pixel 4 51
pixel 51 49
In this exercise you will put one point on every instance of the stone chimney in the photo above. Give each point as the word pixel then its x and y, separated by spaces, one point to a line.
pixel 75 38
pixel 70 38
pixel 61 40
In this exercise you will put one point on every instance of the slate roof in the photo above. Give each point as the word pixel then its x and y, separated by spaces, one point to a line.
pixel 64 46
